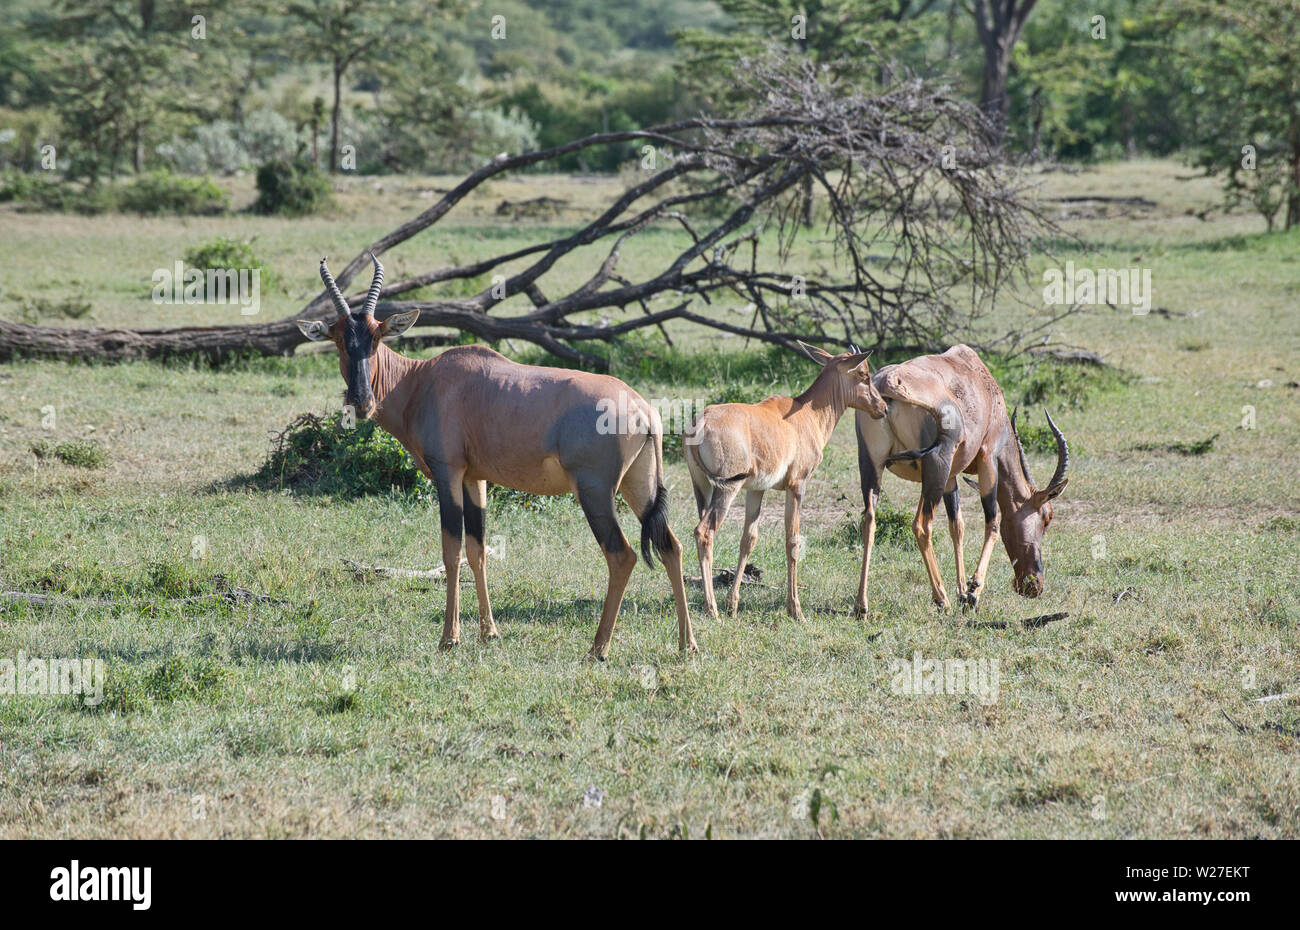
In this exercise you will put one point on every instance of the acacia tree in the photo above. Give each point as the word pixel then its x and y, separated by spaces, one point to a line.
pixel 928 223
pixel 123 73
pixel 1239 65
pixel 827 31
pixel 998 23
pixel 346 33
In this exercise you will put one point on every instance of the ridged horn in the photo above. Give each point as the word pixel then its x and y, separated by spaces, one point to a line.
pixel 1062 454
pixel 376 285
pixel 336 295
pixel 1024 463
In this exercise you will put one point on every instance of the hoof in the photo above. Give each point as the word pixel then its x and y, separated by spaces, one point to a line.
pixel 448 644
pixel 489 635
pixel 859 611
pixel 689 649
pixel 595 657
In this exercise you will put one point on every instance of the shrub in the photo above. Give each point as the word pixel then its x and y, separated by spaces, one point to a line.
pixel 323 456
pixel 267 135
pixel 36 309
pixel 320 455
pixel 81 453
pixel 38 192
pixel 291 188
pixel 893 528
pixel 212 147
pixel 226 252
pixel 161 192
pixel 21 186
pixel 223 147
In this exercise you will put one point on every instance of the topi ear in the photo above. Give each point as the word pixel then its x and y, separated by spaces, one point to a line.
pixel 819 356
pixel 314 330
pixel 862 369
pixel 1046 494
pixel 398 323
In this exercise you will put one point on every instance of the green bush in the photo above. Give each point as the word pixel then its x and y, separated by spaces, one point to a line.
pixel 22 186
pixel 153 193
pixel 38 309
pixel 226 252
pixel 321 455
pixel 81 453
pixel 893 528
pixel 161 192
pixel 292 188
pixel 37 192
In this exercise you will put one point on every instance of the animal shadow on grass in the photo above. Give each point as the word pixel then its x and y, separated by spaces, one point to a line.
pixel 556 613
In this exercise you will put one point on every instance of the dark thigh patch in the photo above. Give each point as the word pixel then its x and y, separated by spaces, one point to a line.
pixel 475 518
pixel 989 502
pixel 450 514
pixel 952 503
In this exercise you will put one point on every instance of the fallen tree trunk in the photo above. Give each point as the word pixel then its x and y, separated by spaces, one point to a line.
pixel 122 345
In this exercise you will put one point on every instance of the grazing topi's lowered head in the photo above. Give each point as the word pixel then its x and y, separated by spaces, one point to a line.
pixel 358 337
pixel 1027 516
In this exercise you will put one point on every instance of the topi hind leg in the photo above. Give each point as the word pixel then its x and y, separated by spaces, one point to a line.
pixel 451 515
pixel 988 488
pixel 475 497
pixel 870 499
pixel 598 506
pixel 748 537
pixel 641 491
pixel 793 546
pixel 706 532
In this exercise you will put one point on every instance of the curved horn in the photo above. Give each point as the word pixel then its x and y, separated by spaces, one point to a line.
pixel 336 295
pixel 1062 454
pixel 376 285
pixel 1024 463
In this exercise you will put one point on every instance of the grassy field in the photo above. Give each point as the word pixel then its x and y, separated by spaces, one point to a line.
pixel 331 712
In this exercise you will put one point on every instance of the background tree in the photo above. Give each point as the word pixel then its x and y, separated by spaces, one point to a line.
pixel 346 33
pixel 119 72
pixel 827 31
pixel 998 23
pixel 1239 69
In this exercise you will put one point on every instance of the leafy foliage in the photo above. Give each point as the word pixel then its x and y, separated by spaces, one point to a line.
pixel 228 252
pixel 324 455
pixel 80 453
pixel 161 192
pixel 1239 98
pixel 292 187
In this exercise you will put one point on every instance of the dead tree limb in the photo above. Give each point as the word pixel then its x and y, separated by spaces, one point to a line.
pixel 926 221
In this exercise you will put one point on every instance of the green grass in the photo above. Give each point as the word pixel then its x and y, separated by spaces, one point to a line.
pixel 328 710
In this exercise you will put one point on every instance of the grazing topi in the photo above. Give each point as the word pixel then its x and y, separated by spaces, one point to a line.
pixel 946 415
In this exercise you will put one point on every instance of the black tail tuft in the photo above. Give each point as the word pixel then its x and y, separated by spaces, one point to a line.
pixel 912 455
pixel 655 536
